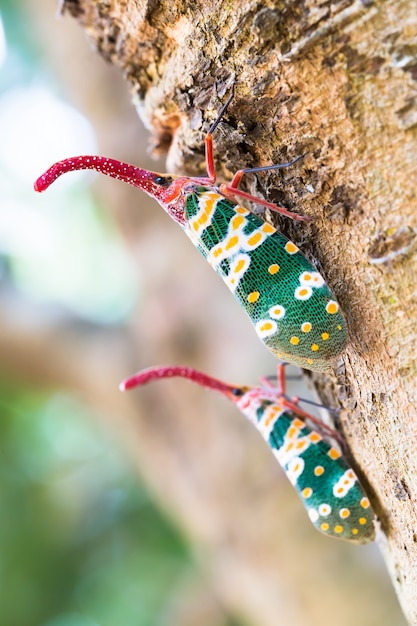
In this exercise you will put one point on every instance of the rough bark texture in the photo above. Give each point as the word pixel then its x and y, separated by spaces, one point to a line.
pixel 336 82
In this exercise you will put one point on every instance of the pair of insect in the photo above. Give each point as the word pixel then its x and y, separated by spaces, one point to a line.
pixel 293 313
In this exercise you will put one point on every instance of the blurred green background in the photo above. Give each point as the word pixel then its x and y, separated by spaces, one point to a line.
pixel 82 543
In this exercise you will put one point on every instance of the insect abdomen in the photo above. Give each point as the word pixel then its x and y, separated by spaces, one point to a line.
pixel 291 307
pixel 329 489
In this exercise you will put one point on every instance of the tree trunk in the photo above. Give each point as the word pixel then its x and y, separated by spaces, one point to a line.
pixel 335 82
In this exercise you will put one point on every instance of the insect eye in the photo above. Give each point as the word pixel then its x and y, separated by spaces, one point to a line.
pixel 237 392
pixel 163 181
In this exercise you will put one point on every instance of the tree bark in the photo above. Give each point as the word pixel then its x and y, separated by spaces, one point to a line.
pixel 335 82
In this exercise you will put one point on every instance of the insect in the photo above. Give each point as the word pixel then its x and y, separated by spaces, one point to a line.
pixel 327 486
pixel 287 300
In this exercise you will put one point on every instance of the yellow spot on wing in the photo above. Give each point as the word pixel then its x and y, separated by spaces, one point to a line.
pixel 254 239
pixel 301 445
pixel 290 247
pixel 253 296
pixel 338 529
pixel 209 200
pixel 314 437
pixel 277 312
pixel 332 307
pixel 239 266
pixel 237 221
pixel 268 229
pixel 333 454
pixel 325 509
pixel 295 341
pixel 314 347
pixel 273 269
pixel 306 327
pixel 233 241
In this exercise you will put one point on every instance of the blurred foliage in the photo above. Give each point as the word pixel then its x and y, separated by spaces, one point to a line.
pixel 23 51
pixel 81 542
pixel 61 244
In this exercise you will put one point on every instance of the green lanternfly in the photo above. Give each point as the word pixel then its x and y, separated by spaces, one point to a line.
pixel 287 300
pixel 328 487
